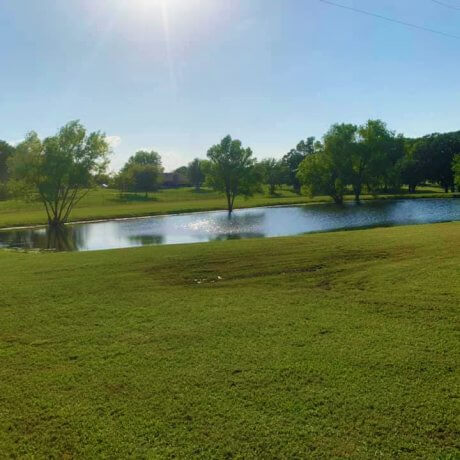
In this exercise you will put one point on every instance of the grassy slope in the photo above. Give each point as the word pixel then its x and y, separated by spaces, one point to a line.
pixel 339 344
pixel 103 204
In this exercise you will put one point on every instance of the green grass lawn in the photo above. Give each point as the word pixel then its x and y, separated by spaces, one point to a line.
pixel 103 204
pixel 325 345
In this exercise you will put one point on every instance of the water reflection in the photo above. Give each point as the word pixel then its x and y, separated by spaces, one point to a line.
pixel 244 223
pixel 146 240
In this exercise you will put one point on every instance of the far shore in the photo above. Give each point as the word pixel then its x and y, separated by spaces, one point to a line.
pixel 200 205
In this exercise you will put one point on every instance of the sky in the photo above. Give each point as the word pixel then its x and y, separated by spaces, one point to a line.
pixel 176 76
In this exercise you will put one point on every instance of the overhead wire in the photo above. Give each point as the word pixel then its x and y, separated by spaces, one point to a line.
pixel 386 18
pixel 453 7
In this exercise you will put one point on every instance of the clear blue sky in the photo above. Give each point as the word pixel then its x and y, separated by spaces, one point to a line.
pixel 178 75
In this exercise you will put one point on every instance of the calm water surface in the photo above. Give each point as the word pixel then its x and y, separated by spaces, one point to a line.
pixel 244 223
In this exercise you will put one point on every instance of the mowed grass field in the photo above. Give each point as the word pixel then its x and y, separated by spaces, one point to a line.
pixel 321 346
pixel 104 204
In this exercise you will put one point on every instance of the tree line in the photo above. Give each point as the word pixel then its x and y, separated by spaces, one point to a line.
pixel 59 170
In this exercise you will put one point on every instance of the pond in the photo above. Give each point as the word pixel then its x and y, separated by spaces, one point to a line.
pixel 244 223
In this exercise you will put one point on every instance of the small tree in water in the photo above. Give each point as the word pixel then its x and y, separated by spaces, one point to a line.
pixel 231 170
pixel 61 168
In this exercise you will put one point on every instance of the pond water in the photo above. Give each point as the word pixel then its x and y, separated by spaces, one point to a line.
pixel 244 223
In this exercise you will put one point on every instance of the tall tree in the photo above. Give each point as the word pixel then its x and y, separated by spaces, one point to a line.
pixel 141 178
pixel 373 157
pixel 6 151
pixel 141 173
pixel 273 173
pixel 195 173
pixel 60 169
pixel 294 157
pixel 144 158
pixel 456 170
pixel 435 154
pixel 329 169
pixel 231 170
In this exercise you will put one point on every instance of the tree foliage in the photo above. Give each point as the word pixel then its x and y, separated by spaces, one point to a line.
pixel 141 173
pixel 374 157
pixel 6 152
pixel 195 173
pixel 434 155
pixel 144 158
pixel 456 170
pixel 231 170
pixel 294 157
pixel 329 169
pixel 273 173
pixel 61 168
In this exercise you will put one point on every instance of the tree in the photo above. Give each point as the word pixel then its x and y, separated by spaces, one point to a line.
pixel 183 170
pixel 195 173
pixel 372 157
pixel 145 158
pixel 294 157
pixel 272 172
pixel 60 169
pixel 141 173
pixel 329 169
pixel 6 151
pixel 145 178
pixel 142 178
pixel 434 154
pixel 411 172
pixel 456 170
pixel 231 170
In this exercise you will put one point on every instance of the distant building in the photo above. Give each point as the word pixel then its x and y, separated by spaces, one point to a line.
pixel 174 180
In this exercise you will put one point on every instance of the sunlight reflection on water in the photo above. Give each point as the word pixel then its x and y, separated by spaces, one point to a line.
pixel 244 223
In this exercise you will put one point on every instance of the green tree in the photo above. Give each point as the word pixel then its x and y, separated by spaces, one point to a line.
pixel 141 173
pixel 182 170
pixel 145 158
pixel 329 169
pixel 145 178
pixel 195 173
pixel 432 157
pixel 6 151
pixel 372 157
pixel 294 157
pixel 231 170
pixel 456 170
pixel 272 173
pixel 60 169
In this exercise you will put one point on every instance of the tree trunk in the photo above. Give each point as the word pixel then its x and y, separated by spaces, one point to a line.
pixel 272 189
pixel 357 190
pixel 229 203
pixel 338 199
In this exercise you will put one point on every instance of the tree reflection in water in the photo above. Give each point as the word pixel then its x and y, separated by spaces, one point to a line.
pixel 60 238
pixel 145 240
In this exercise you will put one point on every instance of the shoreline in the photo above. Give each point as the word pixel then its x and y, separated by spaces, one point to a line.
pixel 120 218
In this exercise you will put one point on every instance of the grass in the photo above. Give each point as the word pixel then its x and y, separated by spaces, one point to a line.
pixel 104 204
pixel 328 345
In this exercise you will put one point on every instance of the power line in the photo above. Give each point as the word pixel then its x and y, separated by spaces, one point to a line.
pixel 446 5
pixel 396 21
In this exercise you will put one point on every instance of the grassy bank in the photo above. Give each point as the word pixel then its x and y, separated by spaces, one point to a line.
pixel 326 345
pixel 104 204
